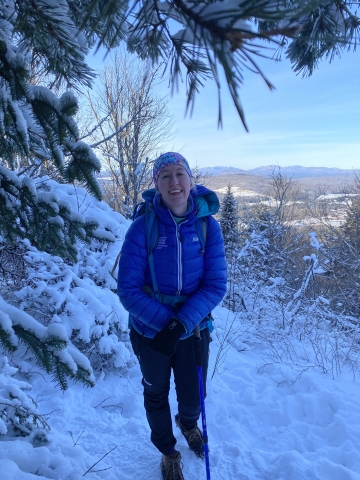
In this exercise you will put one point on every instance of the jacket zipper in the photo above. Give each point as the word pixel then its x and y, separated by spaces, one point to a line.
pixel 179 255
pixel 179 258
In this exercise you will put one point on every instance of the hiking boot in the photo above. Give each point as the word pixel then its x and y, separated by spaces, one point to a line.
pixel 171 466
pixel 193 436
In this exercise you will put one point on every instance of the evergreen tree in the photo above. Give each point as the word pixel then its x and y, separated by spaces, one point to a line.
pixel 339 233
pixel 229 220
pixel 19 415
pixel 229 226
pixel 341 258
pixel 50 346
pixel 269 244
pixel 37 127
pixel 42 49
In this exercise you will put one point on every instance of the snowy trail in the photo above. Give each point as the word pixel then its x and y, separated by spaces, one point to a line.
pixel 257 430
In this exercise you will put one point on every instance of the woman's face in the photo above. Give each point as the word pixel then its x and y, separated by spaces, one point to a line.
pixel 174 186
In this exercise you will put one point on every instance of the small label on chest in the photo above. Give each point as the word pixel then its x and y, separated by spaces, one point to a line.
pixel 162 242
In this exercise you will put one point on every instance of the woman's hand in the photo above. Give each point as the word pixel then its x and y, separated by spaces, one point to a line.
pixel 166 340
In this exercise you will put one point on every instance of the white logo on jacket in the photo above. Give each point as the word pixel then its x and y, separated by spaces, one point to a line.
pixel 162 242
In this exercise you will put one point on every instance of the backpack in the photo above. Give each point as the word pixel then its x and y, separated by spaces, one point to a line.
pixel 152 237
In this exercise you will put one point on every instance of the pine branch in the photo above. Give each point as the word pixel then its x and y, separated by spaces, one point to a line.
pixel 45 352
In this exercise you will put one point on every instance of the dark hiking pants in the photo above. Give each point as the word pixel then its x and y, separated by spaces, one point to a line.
pixel 156 371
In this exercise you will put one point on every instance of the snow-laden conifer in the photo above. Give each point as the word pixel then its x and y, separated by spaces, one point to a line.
pixel 19 415
pixel 43 47
pixel 48 345
pixel 229 227
pixel 229 219
pixel 64 316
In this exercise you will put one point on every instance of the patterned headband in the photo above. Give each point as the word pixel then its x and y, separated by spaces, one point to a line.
pixel 169 158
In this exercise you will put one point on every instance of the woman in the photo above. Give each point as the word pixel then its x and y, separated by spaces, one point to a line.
pixel 190 280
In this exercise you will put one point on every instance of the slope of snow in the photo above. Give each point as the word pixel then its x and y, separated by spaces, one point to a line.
pixel 261 424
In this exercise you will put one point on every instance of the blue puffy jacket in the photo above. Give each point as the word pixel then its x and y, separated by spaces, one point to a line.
pixel 180 266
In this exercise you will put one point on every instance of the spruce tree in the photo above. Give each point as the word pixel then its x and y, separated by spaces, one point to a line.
pixel 229 220
pixel 43 46
pixel 229 226
pixel 49 346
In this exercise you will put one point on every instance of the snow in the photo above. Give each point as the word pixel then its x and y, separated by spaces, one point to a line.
pixel 19 317
pixel 30 184
pixel 335 196
pixel 11 176
pixel 314 241
pixel 80 148
pixel 21 123
pixel 48 198
pixel 240 191
pixel 261 424
pixel 140 168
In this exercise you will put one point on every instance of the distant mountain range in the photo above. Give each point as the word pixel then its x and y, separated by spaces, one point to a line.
pixel 295 171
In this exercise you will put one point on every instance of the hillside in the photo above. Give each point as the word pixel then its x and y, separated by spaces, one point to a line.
pixel 295 171
pixel 249 184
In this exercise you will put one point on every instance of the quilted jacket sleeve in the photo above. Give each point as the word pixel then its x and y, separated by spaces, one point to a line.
pixel 132 266
pixel 214 281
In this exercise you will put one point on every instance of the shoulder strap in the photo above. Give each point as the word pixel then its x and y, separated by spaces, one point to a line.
pixel 201 230
pixel 138 210
pixel 152 237
pixel 152 227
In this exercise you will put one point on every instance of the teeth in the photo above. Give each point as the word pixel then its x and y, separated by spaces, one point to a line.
pixel 175 191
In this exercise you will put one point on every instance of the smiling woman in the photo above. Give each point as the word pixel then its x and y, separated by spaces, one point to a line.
pixel 169 290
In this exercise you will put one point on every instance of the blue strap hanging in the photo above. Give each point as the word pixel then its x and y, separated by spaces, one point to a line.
pixel 152 239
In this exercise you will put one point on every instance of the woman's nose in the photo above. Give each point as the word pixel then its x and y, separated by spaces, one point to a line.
pixel 173 179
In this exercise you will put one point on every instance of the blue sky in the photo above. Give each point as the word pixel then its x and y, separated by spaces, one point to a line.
pixel 309 122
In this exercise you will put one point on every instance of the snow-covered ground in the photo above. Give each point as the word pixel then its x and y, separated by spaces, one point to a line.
pixel 258 429
pixel 239 191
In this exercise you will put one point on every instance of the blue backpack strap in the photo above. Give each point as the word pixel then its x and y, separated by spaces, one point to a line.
pixel 152 237
pixel 138 210
pixel 201 230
